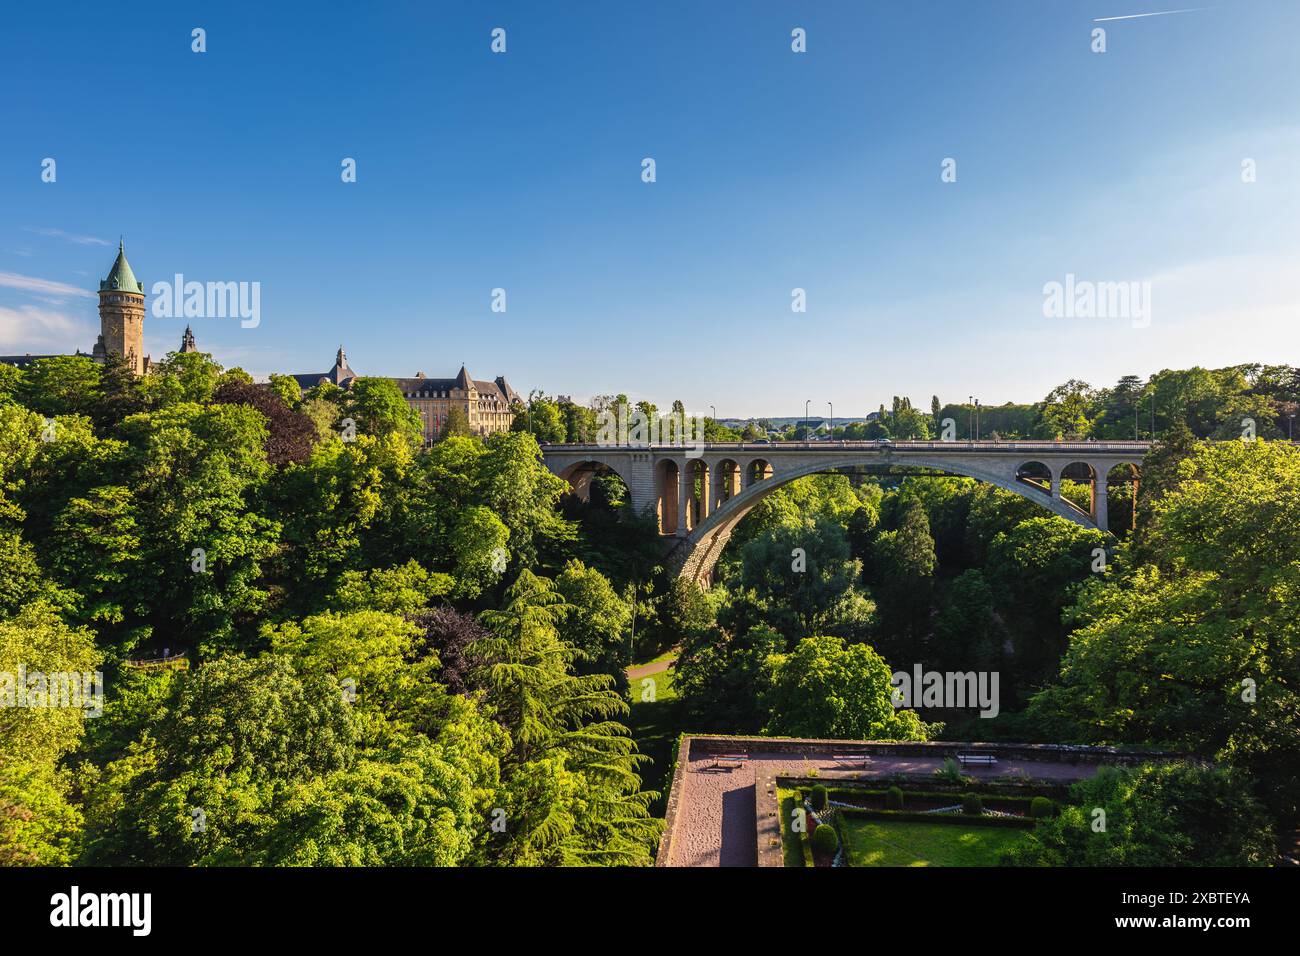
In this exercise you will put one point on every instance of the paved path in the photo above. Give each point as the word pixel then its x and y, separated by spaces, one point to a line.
pixel 716 823
pixel 654 667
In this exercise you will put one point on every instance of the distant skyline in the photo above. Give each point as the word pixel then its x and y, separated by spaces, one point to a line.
pixel 775 171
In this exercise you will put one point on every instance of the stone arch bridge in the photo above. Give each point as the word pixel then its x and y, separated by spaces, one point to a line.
pixel 700 493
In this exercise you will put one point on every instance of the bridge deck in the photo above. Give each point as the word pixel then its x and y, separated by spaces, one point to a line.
pixel 982 447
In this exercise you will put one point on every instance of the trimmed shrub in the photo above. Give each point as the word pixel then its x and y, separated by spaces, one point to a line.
pixel 825 840
pixel 893 799
pixel 1040 808
pixel 949 819
pixel 950 770
pixel 972 805
pixel 818 797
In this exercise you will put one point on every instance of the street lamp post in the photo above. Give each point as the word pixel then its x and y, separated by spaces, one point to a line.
pixel 977 419
pixel 831 434
pixel 1290 428
pixel 806 403
pixel 970 417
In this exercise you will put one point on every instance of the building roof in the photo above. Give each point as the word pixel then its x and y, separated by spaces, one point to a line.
pixel 22 361
pixel 435 387
pixel 339 375
pixel 120 277
pixel 421 385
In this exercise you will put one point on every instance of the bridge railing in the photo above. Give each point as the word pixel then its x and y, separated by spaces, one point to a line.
pixel 1094 447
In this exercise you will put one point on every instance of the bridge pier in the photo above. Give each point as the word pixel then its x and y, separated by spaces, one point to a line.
pixel 706 499
pixel 685 492
pixel 1100 500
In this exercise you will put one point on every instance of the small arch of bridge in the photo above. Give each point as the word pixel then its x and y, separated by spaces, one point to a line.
pixel 579 475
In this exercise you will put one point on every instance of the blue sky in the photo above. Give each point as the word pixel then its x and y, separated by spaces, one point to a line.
pixel 775 171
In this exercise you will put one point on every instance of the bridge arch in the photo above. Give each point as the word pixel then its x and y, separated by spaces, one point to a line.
pixel 697 554
pixel 580 473
pixel 726 482
pixel 1123 481
pixel 1036 475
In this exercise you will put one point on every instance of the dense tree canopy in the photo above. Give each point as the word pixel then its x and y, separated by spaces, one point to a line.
pixel 409 655
pixel 366 685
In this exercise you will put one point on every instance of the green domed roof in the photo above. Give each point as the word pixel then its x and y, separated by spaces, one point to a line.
pixel 120 277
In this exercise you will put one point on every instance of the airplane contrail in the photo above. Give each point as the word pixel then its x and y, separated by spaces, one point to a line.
pixel 1138 16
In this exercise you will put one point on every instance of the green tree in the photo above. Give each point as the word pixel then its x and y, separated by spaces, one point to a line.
pixel 40 824
pixel 456 423
pixel 596 620
pixel 11 383
pixel 543 418
pixel 1064 413
pixel 182 377
pixel 966 629
pixel 718 673
pixel 826 689
pixel 570 782
pixel 903 565
pixel 120 393
pixel 801 573
pixel 287 387
pixel 195 472
pixel 1157 814
pixel 378 408
pixel 1196 646
pixel 405 589
pixel 512 480
pixel 61 385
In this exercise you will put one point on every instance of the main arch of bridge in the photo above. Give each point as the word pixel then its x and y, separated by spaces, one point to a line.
pixel 699 495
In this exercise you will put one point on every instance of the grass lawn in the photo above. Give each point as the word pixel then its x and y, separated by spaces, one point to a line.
pixel 884 843
pixel 655 725
pixel 662 686
pixel 791 848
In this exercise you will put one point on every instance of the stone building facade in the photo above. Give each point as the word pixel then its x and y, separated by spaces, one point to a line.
pixel 487 405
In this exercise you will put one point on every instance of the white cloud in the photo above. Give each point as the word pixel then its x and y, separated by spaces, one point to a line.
pixel 71 237
pixel 37 330
pixel 1219 306
pixel 12 280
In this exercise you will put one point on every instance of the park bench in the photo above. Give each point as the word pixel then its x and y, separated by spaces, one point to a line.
pixel 860 759
pixel 733 761
pixel 977 758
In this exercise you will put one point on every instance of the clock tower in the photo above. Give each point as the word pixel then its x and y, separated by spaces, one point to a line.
pixel 121 316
